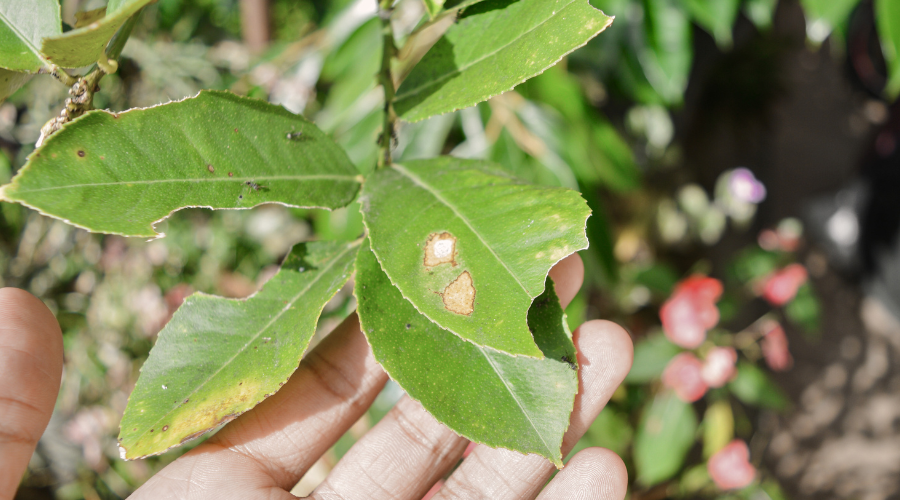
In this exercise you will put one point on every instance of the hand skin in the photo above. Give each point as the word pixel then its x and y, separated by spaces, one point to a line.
pixel 263 453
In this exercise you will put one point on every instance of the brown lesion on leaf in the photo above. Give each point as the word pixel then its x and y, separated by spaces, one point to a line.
pixel 440 248
pixel 459 296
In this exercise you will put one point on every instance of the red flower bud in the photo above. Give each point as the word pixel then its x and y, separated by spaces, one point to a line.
pixel 683 375
pixel 730 467
pixel 691 311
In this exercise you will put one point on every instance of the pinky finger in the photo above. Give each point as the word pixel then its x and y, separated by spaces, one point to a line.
pixel 594 473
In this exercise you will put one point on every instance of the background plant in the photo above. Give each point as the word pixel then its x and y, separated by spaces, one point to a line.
pixel 546 131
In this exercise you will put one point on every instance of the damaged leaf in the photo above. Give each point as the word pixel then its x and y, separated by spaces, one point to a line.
pixel 121 173
pixel 218 357
pixel 514 402
pixel 469 245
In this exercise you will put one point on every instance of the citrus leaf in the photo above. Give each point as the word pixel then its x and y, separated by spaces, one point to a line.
pixel 84 46
pixel 495 45
pixel 218 357
pixel 21 30
pixel 518 403
pixel 665 435
pixel 11 81
pixel 121 173
pixel 469 245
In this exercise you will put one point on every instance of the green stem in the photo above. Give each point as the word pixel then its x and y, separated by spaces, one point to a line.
pixel 387 83
pixel 83 88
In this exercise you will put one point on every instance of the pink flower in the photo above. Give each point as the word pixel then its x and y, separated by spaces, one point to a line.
pixel 691 311
pixel 718 367
pixel 781 286
pixel 730 467
pixel 742 184
pixel 683 375
pixel 775 347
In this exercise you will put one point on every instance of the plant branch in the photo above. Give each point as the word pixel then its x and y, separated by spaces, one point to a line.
pixel 83 88
pixel 387 82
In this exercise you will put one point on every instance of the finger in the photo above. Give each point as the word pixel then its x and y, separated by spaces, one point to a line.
pixel 604 353
pixel 268 449
pixel 406 453
pixel 31 359
pixel 409 450
pixel 568 275
pixel 592 474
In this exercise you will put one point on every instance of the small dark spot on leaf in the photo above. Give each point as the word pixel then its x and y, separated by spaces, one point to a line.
pixel 230 174
pixel 151 430
pixel 165 428
pixel 240 383
pixel 81 153
pixel 240 197
pixel 102 158
pixel 408 326
pixel 235 130
pixel 210 168
pixel 186 400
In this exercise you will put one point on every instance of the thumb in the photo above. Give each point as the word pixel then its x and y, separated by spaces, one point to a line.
pixel 31 358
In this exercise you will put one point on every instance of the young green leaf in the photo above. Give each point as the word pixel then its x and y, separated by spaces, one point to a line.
pixel 84 46
pixel 824 16
pixel 667 55
pixel 121 173
pixel 495 45
pixel 469 245
pixel 21 29
pixel 218 357
pixel 518 403
pixel 753 386
pixel 665 435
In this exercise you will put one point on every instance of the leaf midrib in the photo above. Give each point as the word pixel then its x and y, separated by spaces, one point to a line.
pixel 281 313
pixel 516 399
pixel 421 183
pixel 173 181
pixel 22 37
pixel 446 76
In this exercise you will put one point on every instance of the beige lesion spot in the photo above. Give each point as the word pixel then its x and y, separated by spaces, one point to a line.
pixel 440 248
pixel 459 296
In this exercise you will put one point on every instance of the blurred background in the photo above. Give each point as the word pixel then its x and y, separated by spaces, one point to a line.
pixel 751 141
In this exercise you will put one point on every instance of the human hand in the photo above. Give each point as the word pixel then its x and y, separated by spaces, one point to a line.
pixel 264 452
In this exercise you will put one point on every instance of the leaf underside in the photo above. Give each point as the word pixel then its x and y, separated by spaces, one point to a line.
pixel 84 46
pixel 518 403
pixel 21 30
pixel 448 230
pixel 495 45
pixel 218 357
pixel 121 173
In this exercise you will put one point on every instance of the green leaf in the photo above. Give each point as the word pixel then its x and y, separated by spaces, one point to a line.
pixel 518 403
pixel 495 45
pixel 650 358
pixel 11 81
pixel 433 7
pixel 84 46
pixel 754 387
pixel 665 435
pixel 887 17
pixel 715 16
pixel 666 58
pixel 121 173
pixel 218 357
pixel 823 16
pixel 469 245
pixel 21 30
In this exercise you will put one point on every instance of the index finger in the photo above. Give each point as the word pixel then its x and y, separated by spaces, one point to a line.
pixel 31 359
